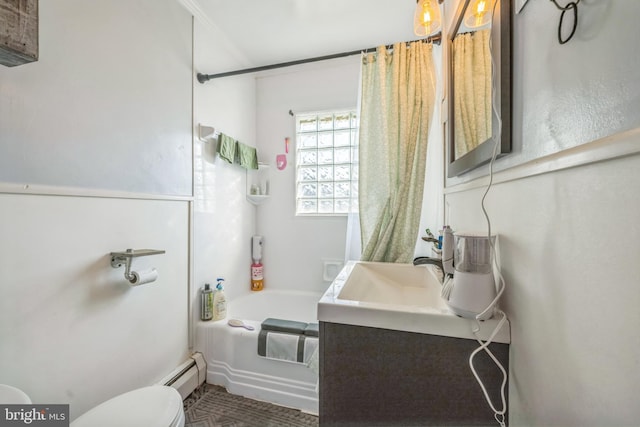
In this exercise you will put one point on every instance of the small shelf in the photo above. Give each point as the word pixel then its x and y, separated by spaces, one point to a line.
pixel 124 257
pixel 257 199
pixel 258 184
pixel 132 253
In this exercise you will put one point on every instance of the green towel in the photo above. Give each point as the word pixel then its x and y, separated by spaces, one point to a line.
pixel 227 148
pixel 247 156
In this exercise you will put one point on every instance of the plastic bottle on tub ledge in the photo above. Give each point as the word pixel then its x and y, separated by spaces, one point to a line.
pixel 257 269
pixel 206 303
pixel 257 276
pixel 219 302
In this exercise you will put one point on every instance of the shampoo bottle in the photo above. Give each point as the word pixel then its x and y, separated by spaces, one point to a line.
pixel 219 302
pixel 206 303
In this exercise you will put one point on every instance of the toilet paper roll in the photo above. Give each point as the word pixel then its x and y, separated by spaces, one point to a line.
pixel 144 276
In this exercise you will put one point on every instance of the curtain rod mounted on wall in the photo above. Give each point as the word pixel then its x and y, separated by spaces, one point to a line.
pixel 202 78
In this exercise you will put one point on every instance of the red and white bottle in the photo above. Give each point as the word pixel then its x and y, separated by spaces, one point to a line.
pixel 257 270
pixel 257 276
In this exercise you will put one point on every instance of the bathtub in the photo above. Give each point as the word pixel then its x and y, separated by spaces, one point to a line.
pixel 232 358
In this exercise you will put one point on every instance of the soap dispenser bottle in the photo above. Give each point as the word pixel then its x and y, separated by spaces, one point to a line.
pixel 206 303
pixel 219 302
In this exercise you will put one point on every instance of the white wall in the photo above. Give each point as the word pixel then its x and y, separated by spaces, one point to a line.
pixel 569 238
pixel 571 297
pixel 72 328
pixel 106 107
pixel 295 247
pixel 110 87
pixel 224 220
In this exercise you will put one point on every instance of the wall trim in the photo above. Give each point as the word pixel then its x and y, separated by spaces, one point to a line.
pixel 50 190
pixel 622 144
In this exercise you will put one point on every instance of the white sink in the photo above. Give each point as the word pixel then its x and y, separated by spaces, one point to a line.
pixel 400 297
pixel 392 284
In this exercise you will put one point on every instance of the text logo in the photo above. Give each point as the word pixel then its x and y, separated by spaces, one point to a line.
pixel 34 415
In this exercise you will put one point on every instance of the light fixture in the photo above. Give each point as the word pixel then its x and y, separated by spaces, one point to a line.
pixel 426 18
pixel 480 14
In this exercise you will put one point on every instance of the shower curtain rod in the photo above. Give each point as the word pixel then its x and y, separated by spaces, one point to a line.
pixel 202 78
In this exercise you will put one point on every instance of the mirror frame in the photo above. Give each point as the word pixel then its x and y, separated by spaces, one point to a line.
pixel 501 43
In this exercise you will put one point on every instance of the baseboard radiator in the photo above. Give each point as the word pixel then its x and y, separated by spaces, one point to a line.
pixel 188 376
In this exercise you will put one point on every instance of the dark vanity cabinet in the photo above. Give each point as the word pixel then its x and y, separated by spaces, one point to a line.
pixel 379 377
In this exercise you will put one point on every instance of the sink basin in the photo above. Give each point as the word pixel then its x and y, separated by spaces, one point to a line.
pixel 392 284
pixel 400 297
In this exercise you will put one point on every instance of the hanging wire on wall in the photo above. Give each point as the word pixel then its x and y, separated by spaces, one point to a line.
pixel 572 5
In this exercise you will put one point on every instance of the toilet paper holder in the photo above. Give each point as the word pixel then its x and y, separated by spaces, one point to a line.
pixel 120 258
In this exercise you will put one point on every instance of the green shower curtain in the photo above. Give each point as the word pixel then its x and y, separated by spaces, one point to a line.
pixel 397 102
pixel 472 82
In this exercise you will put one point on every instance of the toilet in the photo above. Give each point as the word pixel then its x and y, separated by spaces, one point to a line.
pixel 153 406
pixel 157 405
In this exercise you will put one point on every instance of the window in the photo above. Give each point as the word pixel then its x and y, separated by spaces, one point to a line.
pixel 326 163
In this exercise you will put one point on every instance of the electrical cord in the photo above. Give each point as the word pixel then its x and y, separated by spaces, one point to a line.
pixel 447 287
pixel 499 415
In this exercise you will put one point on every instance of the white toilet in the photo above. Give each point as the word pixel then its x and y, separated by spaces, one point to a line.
pixel 154 406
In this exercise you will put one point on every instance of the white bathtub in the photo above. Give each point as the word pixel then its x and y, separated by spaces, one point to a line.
pixel 232 358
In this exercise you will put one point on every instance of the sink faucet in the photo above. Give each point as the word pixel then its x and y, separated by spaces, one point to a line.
pixel 424 260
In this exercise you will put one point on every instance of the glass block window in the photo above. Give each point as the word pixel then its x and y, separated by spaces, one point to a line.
pixel 326 163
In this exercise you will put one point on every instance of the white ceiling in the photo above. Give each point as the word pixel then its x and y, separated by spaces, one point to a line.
pixel 273 31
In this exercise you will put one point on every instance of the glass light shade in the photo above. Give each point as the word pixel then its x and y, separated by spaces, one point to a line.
pixel 426 18
pixel 479 14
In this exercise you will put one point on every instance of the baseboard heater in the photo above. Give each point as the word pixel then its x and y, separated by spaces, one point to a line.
pixel 188 375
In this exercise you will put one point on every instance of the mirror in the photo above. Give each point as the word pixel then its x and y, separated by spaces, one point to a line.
pixel 479 97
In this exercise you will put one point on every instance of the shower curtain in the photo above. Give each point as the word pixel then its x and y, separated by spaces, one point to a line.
pixel 397 102
pixel 472 98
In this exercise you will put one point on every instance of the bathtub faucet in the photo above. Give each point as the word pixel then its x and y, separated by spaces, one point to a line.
pixel 424 260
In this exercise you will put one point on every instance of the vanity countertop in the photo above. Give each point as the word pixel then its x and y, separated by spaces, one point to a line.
pixel 400 297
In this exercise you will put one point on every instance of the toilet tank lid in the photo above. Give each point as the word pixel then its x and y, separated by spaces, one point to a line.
pixel 148 406
pixel 10 395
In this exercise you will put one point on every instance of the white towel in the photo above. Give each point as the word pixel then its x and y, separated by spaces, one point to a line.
pixel 312 358
pixel 312 355
pixel 282 346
